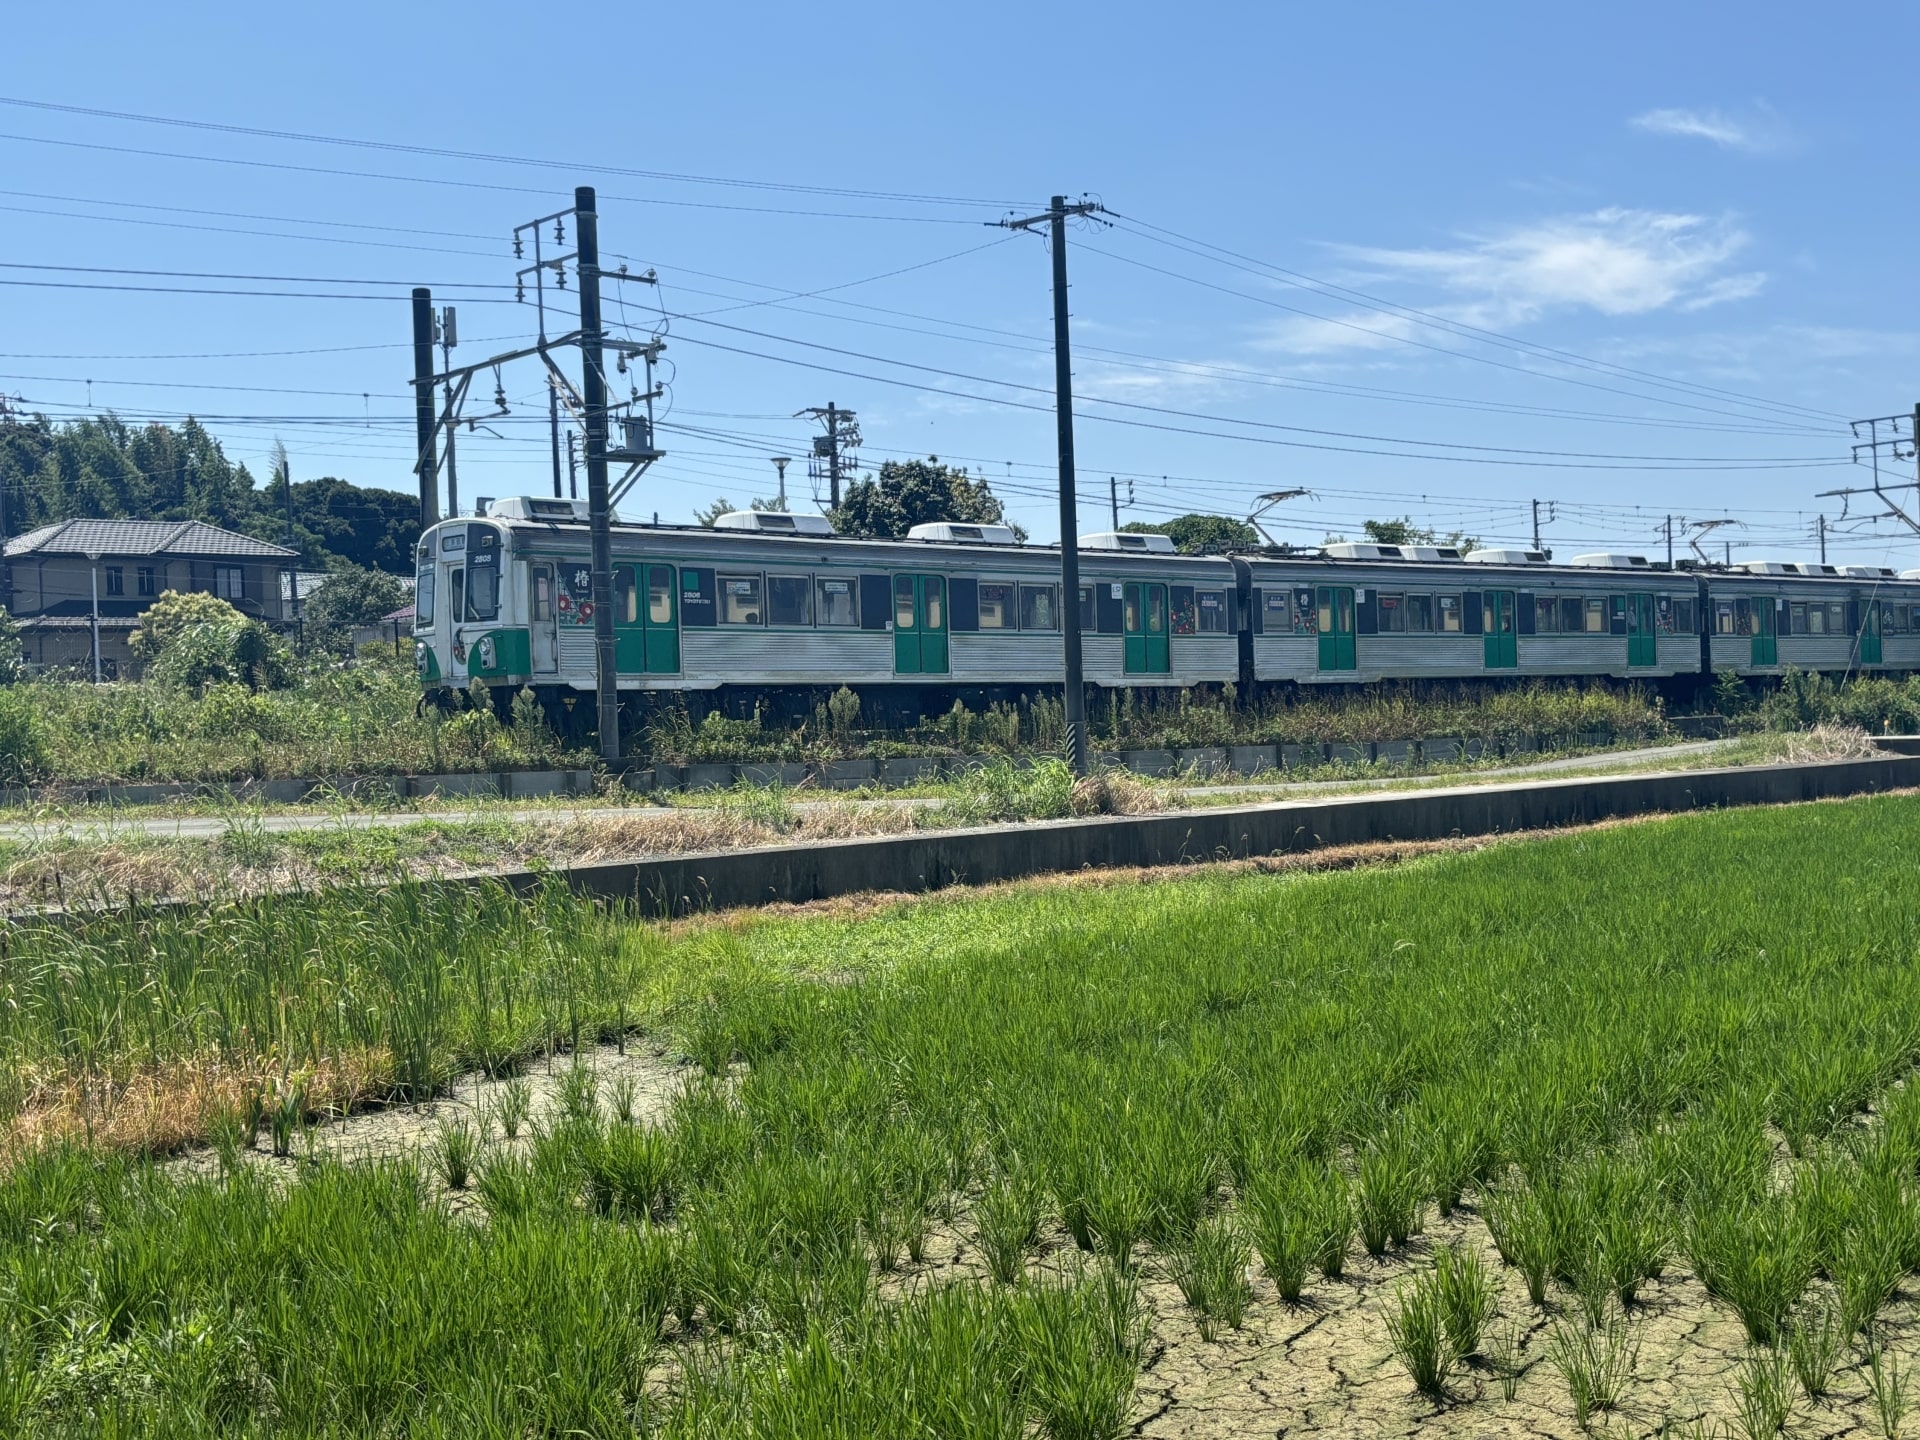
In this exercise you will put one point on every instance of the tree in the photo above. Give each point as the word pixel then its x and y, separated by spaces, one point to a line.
pixel 915 492
pixel 196 640
pixel 351 596
pixel 1404 532
pixel 172 615
pixel 1200 534
pixel 707 514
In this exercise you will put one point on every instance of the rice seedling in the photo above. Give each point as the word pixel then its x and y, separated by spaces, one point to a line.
pixel 1815 1342
pixel 1756 1258
pixel 1281 1228
pixel 579 1092
pixel 288 1111
pixel 1595 1362
pixel 1211 1271
pixel 456 1144
pixel 1417 1332
pixel 514 1107
pixel 1887 1383
pixel 1389 1196
pixel 1524 1235
pixel 1008 1221
pixel 623 1094
pixel 1464 1291
pixel 1506 1355
pixel 1763 1393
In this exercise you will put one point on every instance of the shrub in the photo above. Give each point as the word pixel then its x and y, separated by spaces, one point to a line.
pixel 23 741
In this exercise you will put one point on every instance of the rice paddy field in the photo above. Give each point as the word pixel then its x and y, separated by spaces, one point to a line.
pixel 1609 1133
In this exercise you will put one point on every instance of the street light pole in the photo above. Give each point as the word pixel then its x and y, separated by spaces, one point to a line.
pixel 93 563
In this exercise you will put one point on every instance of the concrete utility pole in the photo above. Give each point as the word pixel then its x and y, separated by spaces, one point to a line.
pixel 1669 542
pixel 842 434
pixel 1536 524
pixel 426 465
pixel 1057 214
pixel 1820 524
pixel 1113 500
pixel 593 395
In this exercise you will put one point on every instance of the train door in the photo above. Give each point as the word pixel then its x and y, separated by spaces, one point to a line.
pixel 646 620
pixel 544 638
pixel 1766 648
pixel 1143 616
pixel 1502 647
pixel 1869 643
pixel 1641 644
pixel 919 625
pixel 456 614
pixel 1336 628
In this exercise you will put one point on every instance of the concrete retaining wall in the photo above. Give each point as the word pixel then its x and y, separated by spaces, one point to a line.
pixel 931 861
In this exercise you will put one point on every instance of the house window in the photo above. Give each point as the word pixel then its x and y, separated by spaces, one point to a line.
pixel 116 580
pixel 146 579
pixel 229 582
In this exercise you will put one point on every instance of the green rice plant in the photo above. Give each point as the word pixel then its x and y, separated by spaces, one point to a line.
pixel 1815 1343
pixel 1390 1195
pixel 579 1092
pixel 1524 1235
pixel 1417 1332
pixel 1008 1221
pixel 1763 1394
pixel 1464 1291
pixel 1506 1356
pixel 1211 1271
pixel 1756 1258
pixel 1458 1146
pixel 623 1094
pixel 456 1144
pixel 511 1188
pixel 1887 1383
pixel 1280 1224
pixel 288 1111
pixel 514 1107
pixel 1595 1362
pixel 226 1130
pixel 626 1169
pixel 1077 1341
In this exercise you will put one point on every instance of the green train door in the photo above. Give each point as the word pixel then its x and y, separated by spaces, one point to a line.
pixel 1336 628
pixel 1869 633
pixel 646 620
pixel 1497 635
pixel 1641 644
pixel 919 625
pixel 1143 617
pixel 1766 647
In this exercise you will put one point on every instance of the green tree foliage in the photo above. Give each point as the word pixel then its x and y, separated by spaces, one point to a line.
pixel 12 652
pixel 915 492
pixel 1404 532
pixel 1201 534
pixel 707 514
pixel 348 597
pixel 104 468
pixel 172 614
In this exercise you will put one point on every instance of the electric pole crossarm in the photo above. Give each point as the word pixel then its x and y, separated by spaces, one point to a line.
pixel 493 362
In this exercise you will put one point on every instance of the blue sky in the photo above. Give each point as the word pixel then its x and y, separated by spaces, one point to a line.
pixel 1647 259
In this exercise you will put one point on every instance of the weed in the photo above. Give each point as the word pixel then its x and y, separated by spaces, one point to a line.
pixel 579 1092
pixel 288 1111
pixel 456 1144
pixel 514 1107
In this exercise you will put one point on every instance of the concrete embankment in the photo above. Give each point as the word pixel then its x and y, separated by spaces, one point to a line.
pixel 680 884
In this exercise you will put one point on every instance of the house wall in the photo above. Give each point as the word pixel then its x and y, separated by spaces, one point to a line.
pixel 60 584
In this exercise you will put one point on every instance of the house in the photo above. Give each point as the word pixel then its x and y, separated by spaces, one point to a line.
pixel 57 571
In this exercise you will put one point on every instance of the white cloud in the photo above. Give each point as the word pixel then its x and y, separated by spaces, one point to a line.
pixel 1615 261
pixel 1760 133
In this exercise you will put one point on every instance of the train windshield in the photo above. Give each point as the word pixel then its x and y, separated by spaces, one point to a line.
pixel 423 597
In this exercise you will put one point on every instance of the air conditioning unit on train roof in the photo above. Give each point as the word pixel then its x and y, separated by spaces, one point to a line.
pixel 1764 567
pixel 1867 572
pixel 1910 574
pixel 1506 557
pixel 1127 540
pixel 953 532
pixel 1360 550
pixel 1808 567
pixel 1611 560
pixel 773 522
pixel 536 507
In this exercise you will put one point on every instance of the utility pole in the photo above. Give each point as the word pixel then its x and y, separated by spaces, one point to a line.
pixel 593 394
pixel 425 464
pixel 1057 214
pixel 1820 524
pixel 1898 434
pixel 1536 524
pixel 1113 500
pixel 447 341
pixel 553 421
pixel 842 435
pixel 1669 528
pixel 573 457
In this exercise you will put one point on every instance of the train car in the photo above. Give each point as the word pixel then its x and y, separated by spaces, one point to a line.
pixel 1358 613
pixel 1766 616
pixel 773 608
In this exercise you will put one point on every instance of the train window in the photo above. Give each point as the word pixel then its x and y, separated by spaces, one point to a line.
pixel 740 600
pixel 423 597
pixel 1797 618
pixel 1156 609
pixel 1184 621
pixel 834 602
pixel 540 601
pixel 1089 611
pixel 996 605
pixel 626 596
pixel 903 602
pixel 1916 618
pixel 1836 617
pixel 659 595
pixel 457 594
pixel 1039 607
pixel 1594 614
pixel 1393 614
pixel 789 600
pixel 1419 614
pixel 1683 623
pixel 1213 611
pixel 1893 619
pixel 1449 613
pixel 1546 615
pixel 483 592
pixel 1325 617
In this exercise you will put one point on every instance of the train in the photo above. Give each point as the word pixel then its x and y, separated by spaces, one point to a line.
pixel 769 610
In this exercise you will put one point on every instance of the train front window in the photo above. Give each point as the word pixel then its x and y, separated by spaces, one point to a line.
pixel 423 598
pixel 483 593
pixel 457 594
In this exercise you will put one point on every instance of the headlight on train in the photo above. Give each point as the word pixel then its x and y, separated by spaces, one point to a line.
pixel 420 658
pixel 486 652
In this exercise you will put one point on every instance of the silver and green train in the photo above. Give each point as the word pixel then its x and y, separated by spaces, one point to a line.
pixel 774 609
